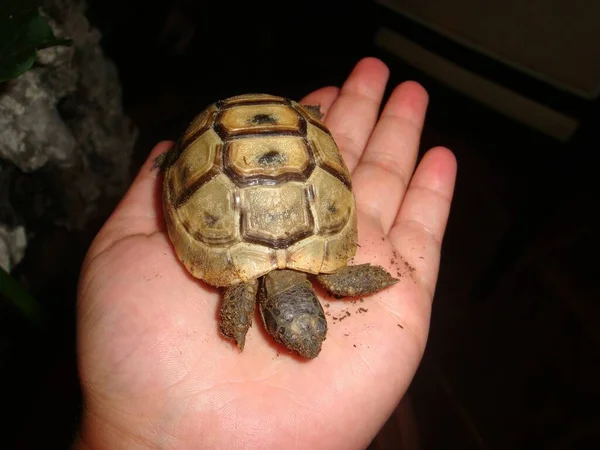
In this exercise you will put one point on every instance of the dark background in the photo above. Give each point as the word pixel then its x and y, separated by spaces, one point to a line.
pixel 512 360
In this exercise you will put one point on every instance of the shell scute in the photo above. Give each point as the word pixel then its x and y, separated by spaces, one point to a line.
pixel 209 213
pixel 272 157
pixel 251 119
pixel 276 216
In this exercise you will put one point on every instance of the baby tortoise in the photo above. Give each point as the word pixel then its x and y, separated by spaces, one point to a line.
pixel 256 196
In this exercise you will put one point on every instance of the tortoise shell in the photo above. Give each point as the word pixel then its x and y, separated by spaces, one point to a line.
pixel 257 184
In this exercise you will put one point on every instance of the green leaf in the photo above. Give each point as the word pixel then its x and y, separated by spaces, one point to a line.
pixel 19 297
pixel 22 33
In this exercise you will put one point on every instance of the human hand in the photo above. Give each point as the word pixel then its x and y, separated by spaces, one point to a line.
pixel 155 371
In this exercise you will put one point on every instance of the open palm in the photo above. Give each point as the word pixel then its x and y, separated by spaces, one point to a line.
pixel 154 369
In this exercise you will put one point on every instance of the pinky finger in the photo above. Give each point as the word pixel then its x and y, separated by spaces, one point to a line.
pixel 420 225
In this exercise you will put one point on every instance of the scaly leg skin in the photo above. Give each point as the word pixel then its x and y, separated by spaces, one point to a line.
pixel 362 279
pixel 292 313
pixel 165 159
pixel 314 110
pixel 237 309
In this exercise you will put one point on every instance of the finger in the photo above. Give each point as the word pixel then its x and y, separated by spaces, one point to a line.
pixel 353 115
pixel 420 225
pixel 139 211
pixel 389 159
pixel 323 97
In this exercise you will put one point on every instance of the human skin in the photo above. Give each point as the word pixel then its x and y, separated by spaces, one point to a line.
pixel 156 373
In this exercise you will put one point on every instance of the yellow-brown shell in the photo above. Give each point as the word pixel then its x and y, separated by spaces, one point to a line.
pixel 258 184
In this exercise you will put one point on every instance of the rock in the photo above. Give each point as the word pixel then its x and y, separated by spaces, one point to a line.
pixel 12 246
pixel 65 142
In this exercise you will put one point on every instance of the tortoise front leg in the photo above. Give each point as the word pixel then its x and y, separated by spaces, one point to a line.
pixel 165 159
pixel 237 309
pixel 292 313
pixel 314 111
pixel 362 279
